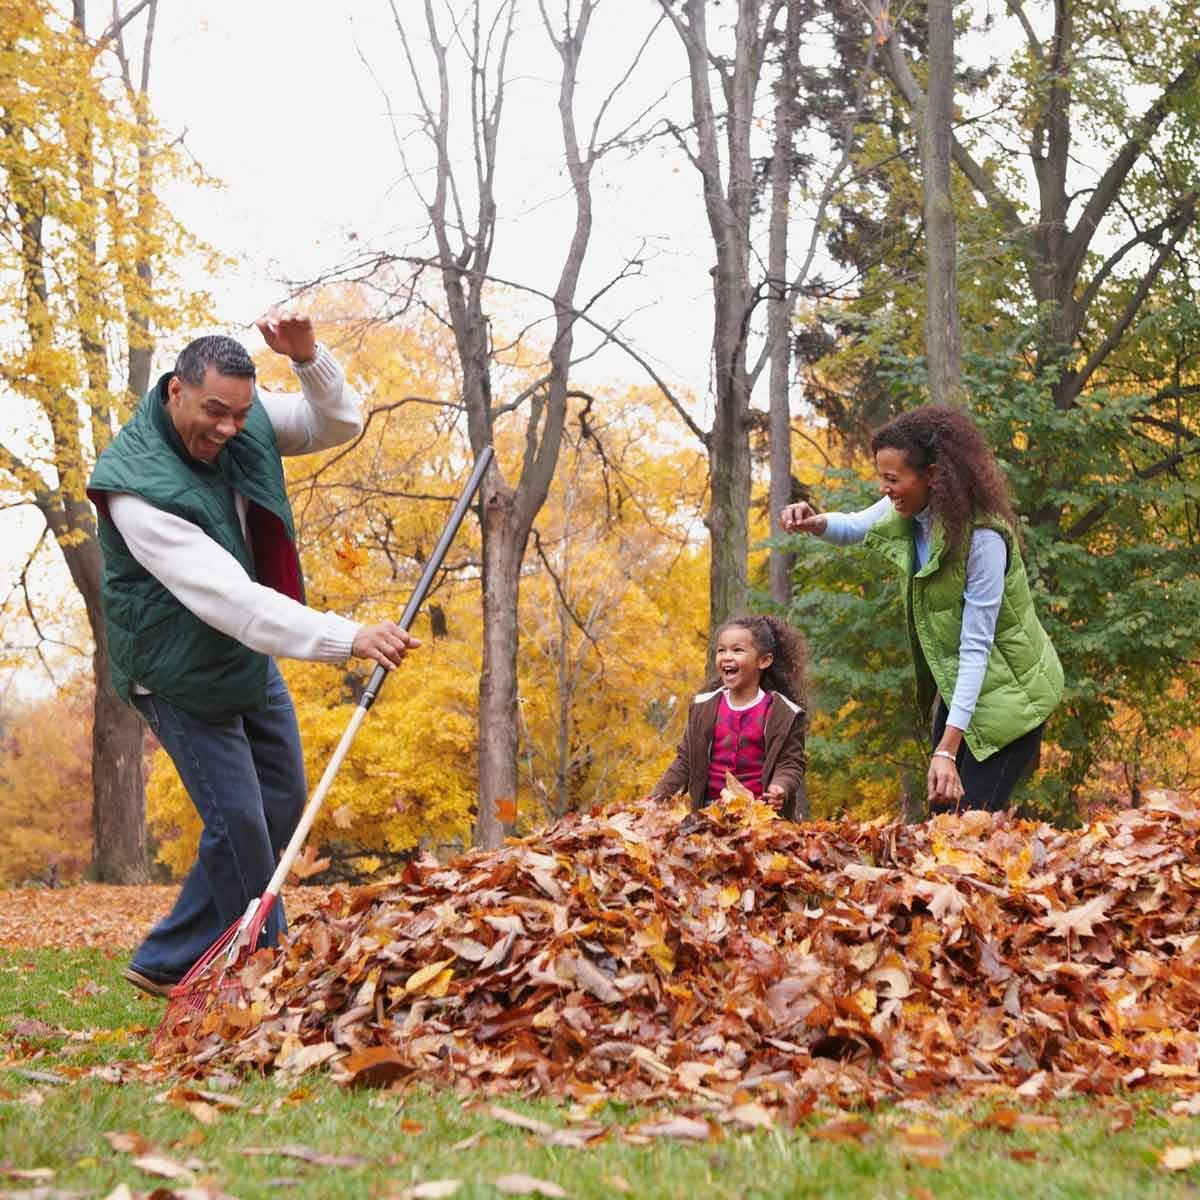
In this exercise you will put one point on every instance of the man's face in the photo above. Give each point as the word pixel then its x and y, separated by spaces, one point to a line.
pixel 208 415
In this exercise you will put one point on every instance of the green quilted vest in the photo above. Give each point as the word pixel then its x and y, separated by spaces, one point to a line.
pixel 1023 682
pixel 153 640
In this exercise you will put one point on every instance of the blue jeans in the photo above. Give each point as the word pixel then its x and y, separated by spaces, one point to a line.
pixel 246 778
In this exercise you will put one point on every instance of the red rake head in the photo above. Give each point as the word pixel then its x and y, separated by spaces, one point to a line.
pixel 215 979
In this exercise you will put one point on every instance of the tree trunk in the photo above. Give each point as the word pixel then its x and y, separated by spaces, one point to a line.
pixel 498 679
pixel 118 798
pixel 942 341
pixel 729 511
pixel 779 313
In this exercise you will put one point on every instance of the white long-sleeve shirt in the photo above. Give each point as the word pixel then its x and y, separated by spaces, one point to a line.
pixel 987 561
pixel 206 579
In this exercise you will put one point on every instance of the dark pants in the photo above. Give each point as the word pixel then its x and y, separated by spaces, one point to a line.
pixel 246 778
pixel 989 784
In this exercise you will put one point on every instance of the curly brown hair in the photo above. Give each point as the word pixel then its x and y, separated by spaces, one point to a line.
pixel 968 483
pixel 773 636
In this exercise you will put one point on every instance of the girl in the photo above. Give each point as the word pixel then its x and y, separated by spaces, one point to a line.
pixel 735 725
pixel 980 652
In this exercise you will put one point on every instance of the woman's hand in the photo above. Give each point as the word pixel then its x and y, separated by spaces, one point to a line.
pixel 774 795
pixel 945 786
pixel 802 518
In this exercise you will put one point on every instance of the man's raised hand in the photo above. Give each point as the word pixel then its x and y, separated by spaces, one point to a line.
pixel 289 333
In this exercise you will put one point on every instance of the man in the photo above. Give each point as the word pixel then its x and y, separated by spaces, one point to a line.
pixel 202 585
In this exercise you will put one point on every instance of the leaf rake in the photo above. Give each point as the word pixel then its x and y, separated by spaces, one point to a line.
pixel 216 975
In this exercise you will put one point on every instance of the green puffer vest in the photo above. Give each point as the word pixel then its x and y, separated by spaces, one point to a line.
pixel 153 640
pixel 1023 682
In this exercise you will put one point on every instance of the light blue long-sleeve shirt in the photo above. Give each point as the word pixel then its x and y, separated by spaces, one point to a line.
pixel 987 560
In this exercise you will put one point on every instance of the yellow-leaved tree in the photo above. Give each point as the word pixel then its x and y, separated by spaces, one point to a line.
pixel 46 787
pixel 86 285
pixel 612 617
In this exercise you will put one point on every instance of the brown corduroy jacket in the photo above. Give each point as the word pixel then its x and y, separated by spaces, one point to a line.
pixel 784 762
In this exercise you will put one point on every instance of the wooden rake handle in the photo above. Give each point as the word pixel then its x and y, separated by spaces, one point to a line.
pixel 432 564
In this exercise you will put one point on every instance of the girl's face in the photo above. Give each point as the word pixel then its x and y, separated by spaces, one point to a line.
pixel 906 487
pixel 740 663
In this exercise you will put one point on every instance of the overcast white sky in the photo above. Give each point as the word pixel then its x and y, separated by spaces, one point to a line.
pixel 289 104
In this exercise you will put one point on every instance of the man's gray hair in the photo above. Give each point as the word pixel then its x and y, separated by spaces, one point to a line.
pixel 216 350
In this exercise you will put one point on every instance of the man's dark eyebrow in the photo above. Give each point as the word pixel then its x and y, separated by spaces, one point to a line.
pixel 221 404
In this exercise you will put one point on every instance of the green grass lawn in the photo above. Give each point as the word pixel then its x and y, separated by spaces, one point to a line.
pixel 63 1012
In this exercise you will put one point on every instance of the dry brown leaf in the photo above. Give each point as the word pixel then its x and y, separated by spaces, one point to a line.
pixel 305 1154
pixel 1178 1158
pixel 1079 920
pixel 307 864
pixel 159 1164
pixel 431 1189
pixel 842 1129
pixel 519 1184
pixel 127 1142
pixel 685 1128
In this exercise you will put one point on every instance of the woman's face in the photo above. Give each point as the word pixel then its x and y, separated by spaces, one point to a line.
pixel 906 487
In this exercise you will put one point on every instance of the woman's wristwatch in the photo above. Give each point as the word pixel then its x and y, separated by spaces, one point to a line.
pixel 946 754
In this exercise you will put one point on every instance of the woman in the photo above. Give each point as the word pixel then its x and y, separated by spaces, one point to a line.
pixel 946 520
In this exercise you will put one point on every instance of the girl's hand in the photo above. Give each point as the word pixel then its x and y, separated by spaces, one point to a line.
pixel 945 786
pixel 774 795
pixel 802 518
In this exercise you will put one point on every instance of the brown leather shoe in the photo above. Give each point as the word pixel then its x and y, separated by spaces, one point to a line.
pixel 148 985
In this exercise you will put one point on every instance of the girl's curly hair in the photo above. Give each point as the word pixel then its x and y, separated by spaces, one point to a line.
pixel 968 483
pixel 773 636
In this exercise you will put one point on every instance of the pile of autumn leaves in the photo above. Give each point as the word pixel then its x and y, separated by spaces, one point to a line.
pixel 730 957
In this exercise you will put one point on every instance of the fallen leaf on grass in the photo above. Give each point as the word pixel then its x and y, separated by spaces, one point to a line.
pixel 924 1144
pixel 1121 1119
pixel 842 1129
pixel 167 1168
pixel 30 1173
pixel 577 1138
pixel 1187 1108
pixel 127 1143
pixel 45 1193
pixel 190 1095
pixel 618 1183
pixel 519 1184
pixel 431 1189
pixel 32 1027
pixel 468 1143
pixel 752 1115
pixel 376 1066
pixel 1178 1158
pixel 686 1128
pixel 305 1154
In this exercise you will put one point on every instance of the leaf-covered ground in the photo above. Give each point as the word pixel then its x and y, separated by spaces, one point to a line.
pixel 99 916
pixel 748 967
pixel 84 1113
